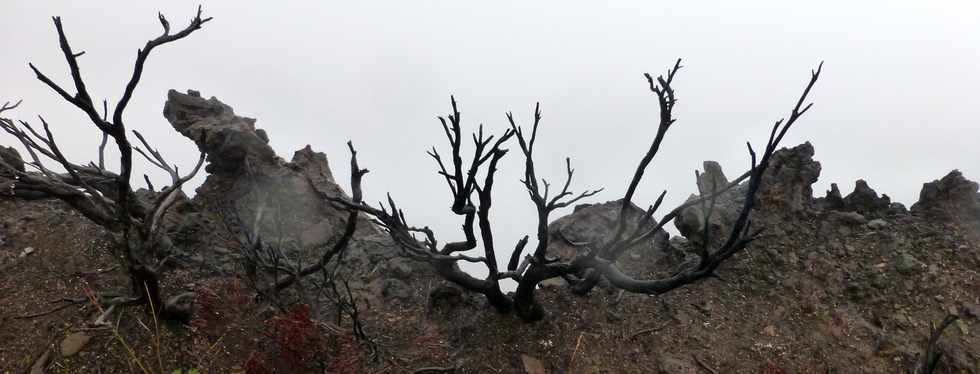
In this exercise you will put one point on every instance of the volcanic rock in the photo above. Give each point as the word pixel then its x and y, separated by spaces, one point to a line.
pixel 279 201
pixel 866 201
pixel 948 198
pixel 786 189
pixel 10 156
pixel 592 225
pixel 786 185
pixel 232 142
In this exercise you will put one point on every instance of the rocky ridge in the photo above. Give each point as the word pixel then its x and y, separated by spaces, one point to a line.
pixel 856 277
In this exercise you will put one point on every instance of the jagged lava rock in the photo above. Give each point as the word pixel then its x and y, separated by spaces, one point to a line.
pixel 274 198
pixel 865 200
pixel 786 185
pixel 594 224
pixel 786 189
pixel 952 197
pixel 11 157
pixel 229 140
pixel 833 200
pixel 690 221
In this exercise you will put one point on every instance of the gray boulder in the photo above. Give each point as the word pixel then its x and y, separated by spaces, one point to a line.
pixel 952 197
pixel 592 225
pixel 232 142
pixel 282 202
pixel 787 184
pixel 11 157
pixel 786 190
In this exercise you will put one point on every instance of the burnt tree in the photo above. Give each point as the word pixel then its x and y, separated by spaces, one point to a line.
pixel 471 199
pixel 104 196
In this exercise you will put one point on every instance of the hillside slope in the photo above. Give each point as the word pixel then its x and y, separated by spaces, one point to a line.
pixel 838 284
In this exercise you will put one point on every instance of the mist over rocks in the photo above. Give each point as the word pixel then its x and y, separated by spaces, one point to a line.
pixel 277 200
pixel 859 257
pixel 592 225
pixel 786 195
pixel 786 191
pixel 690 222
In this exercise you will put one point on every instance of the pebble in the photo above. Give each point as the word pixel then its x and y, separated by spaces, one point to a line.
pixel 26 251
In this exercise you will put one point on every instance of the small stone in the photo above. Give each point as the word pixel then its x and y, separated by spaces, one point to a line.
pixel 877 224
pixel 770 330
pixel 556 282
pixel 74 343
pixel 885 345
pixel 939 298
pixel 971 309
pixel 963 329
pixel 26 251
pixel 532 365
pixel 671 365
pixel 906 264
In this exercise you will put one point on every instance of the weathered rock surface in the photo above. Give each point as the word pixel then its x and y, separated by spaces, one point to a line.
pixel 833 200
pixel 786 190
pixel 690 222
pixel 592 225
pixel 866 201
pixel 74 343
pixel 786 186
pixel 232 142
pixel 830 282
pixel 272 198
pixel 952 197
pixel 11 157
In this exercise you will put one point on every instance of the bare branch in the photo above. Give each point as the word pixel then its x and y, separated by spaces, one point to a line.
pixel 739 237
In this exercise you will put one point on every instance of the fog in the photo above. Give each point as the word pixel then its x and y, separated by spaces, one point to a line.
pixel 896 104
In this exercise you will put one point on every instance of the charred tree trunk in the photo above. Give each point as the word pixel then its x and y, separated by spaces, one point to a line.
pixel 598 260
pixel 141 230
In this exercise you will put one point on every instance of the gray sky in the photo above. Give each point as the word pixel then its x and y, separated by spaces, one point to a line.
pixel 897 103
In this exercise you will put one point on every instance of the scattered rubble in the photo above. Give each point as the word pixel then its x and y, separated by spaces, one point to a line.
pixel 854 277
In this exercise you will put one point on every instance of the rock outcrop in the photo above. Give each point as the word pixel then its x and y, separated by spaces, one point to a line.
pixel 786 190
pixel 232 142
pixel 277 200
pixel 865 201
pixel 591 225
pixel 833 200
pixel 11 157
pixel 786 186
pixel 690 222
pixel 950 198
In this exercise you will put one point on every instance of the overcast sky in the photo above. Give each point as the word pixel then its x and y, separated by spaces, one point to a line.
pixel 896 106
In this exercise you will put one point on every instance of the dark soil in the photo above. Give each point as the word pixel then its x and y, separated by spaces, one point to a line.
pixel 809 298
